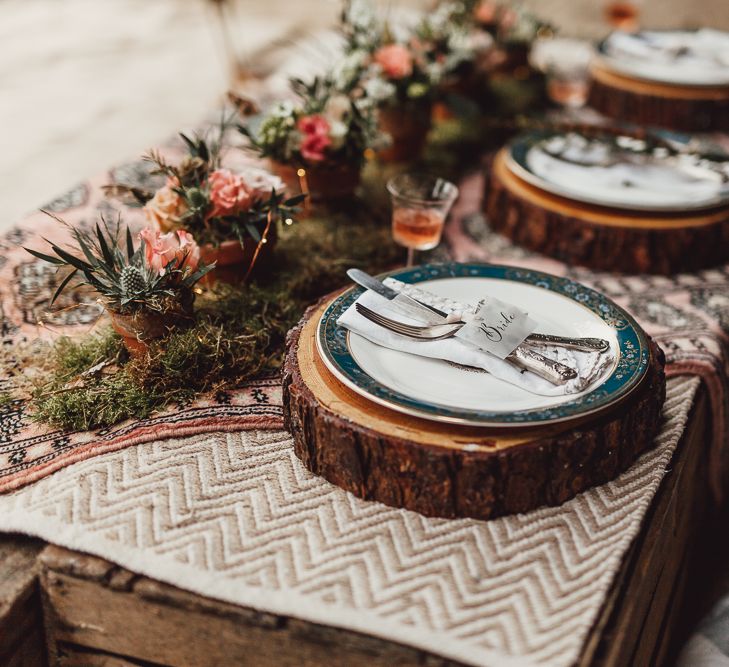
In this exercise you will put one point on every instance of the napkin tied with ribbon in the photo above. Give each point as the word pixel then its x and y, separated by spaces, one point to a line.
pixel 589 365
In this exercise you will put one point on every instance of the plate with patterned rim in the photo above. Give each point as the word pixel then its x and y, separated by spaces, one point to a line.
pixel 691 58
pixel 444 392
pixel 606 170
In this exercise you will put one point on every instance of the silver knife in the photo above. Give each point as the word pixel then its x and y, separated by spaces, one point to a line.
pixel 409 305
pixel 418 309
pixel 523 356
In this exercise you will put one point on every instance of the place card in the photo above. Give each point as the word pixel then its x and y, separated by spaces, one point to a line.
pixel 496 327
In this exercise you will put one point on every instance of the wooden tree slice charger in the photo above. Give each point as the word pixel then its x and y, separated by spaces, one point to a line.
pixel 455 471
pixel 686 108
pixel 602 238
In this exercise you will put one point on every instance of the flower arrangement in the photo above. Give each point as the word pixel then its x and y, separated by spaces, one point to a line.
pixel 393 62
pixel 511 25
pixel 328 132
pixel 144 288
pixel 214 203
pixel 397 70
pixel 450 40
pixel 328 125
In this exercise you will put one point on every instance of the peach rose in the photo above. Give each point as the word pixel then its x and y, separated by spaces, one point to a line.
pixel 160 250
pixel 166 208
pixel 229 193
pixel 396 61
pixel 315 139
pixel 485 12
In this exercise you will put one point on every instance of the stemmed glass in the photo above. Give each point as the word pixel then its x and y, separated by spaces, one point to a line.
pixel 420 206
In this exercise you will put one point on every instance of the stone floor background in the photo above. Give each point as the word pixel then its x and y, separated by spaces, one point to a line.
pixel 84 83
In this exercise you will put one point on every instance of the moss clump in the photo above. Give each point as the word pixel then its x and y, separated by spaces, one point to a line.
pixel 238 333
pixel 73 357
pixel 99 402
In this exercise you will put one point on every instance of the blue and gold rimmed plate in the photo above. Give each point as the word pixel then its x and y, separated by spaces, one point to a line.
pixel 615 171
pixel 443 392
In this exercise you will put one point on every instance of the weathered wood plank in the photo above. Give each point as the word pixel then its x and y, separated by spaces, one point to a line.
pixel 21 633
pixel 155 623
pixel 637 622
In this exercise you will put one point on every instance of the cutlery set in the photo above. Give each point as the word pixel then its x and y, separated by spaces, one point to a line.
pixel 524 356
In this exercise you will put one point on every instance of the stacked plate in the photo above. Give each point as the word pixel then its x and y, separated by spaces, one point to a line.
pixel 663 174
pixel 437 390
pixel 690 58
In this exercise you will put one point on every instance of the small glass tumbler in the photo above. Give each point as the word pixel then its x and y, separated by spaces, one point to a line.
pixel 565 63
pixel 420 206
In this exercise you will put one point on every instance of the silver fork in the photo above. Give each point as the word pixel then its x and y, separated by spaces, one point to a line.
pixel 522 356
pixel 535 339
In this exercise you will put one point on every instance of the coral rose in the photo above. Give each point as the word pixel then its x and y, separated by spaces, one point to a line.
pixel 166 208
pixel 160 250
pixel 396 61
pixel 229 193
pixel 315 139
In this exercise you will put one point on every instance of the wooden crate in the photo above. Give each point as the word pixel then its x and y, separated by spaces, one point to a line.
pixel 22 643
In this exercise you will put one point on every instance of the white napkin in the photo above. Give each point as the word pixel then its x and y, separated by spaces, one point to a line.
pixel 589 365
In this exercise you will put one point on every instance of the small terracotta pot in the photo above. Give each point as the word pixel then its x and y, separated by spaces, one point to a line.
pixel 139 329
pixel 325 182
pixel 408 128
pixel 232 260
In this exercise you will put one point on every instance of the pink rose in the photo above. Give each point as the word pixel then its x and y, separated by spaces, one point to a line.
pixel 229 193
pixel 396 61
pixel 160 250
pixel 315 140
pixel 166 208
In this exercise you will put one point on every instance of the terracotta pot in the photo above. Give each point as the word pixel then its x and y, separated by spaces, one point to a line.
pixel 408 128
pixel 138 329
pixel 232 261
pixel 442 112
pixel 325 182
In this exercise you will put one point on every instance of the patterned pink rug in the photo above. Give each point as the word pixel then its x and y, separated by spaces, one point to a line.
pixel 29 451
pixel 687 314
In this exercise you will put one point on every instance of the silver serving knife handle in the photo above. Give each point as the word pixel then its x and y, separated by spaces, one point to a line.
pixel 552 371
pixel 584 344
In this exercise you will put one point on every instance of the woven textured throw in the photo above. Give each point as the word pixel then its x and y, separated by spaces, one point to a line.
pixel 236 516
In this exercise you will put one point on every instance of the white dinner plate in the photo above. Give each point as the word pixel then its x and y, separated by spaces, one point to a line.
pixel 595 170
pixel 694 58
pixel 441 391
